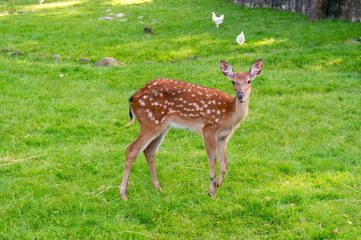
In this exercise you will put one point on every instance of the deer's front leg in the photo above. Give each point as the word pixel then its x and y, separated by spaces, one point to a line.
pixel 210 143
pixel 221 148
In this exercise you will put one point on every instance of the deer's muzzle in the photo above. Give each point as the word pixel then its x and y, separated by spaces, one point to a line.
pixel 240 96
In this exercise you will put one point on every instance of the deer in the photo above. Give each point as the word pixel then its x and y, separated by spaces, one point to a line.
pixel 163 103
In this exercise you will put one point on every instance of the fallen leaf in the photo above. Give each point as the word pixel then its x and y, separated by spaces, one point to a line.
pixel 292 204
pixel 335 231
pixel 153 219
pixel 349 222
pixel 219 222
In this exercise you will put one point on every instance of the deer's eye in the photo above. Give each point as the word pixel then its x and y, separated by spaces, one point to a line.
pixel 249 82
pixel 233 82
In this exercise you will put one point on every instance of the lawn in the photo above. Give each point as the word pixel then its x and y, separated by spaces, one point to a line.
pixel 294 167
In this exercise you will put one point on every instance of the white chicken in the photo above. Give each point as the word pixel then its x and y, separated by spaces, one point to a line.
pixel 217 20
pixel 240 39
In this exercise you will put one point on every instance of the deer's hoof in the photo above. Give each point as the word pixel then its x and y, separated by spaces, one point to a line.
pixel 158 187
pixel 218 183
pixel 123 196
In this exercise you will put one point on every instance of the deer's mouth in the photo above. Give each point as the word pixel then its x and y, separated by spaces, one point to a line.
pixel 240 96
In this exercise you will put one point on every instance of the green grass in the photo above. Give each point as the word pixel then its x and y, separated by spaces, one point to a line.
pixel 294 164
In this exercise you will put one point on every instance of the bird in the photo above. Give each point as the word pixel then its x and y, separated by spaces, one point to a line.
pixel 217 20
pixel 41 1
pixel 240 39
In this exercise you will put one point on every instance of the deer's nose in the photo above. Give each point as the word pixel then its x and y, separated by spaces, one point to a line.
pixel 240 96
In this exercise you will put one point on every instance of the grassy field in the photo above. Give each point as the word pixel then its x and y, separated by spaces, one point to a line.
pixel 294 164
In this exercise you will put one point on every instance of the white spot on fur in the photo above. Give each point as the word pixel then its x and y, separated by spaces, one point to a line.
pixel 217 119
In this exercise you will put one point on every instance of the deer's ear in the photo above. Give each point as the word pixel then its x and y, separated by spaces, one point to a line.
pixel 227 70
pixel 256 68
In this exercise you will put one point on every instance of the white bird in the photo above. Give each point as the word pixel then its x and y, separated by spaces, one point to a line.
pixel 217 20
pixel 41 1
pixel 240 39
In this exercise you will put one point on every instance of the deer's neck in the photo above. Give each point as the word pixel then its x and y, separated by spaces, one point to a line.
pixel 240 110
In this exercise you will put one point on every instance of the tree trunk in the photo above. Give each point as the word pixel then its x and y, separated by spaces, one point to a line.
pixel 319 10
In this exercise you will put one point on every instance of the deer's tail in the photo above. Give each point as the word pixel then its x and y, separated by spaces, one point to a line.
pixel 131 114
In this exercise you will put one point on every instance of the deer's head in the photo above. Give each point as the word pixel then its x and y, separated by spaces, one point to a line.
pixel 242 80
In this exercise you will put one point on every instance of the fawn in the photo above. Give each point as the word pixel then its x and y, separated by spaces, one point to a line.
pixel 164 103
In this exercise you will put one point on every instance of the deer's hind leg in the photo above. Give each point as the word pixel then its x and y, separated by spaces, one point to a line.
pixel 145 137
pixel 149 154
